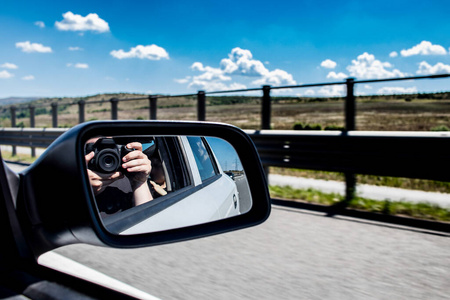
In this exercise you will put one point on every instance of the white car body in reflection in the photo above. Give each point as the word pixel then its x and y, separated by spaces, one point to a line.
pixel 213 199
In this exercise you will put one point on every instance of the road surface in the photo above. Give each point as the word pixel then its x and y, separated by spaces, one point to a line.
pixel 296 254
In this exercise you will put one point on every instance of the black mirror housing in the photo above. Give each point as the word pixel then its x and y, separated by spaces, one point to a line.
pixel 56 205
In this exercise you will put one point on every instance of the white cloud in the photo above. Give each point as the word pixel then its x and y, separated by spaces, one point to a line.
pixel 81 66
pixel 5 74
pixel 73 22
pixel 9 66
pixel 393 54
pixel 396 90
pixel 78 65
pixel 75 49
pixel 151 52
pixel 240 62
pixel 276 77
pixel 328 64
pixel 183 80
pixel 367 67
pixel 332 91
pixel 209 73
pixel 368 87
pixel 335 75
pixel 39 24
pixel 424 48
pixel 33 47
pixel 215 85
pixel 308 92
pixel 427 69
pixel 28 77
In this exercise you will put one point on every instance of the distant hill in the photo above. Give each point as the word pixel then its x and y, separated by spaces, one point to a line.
pixel 14 100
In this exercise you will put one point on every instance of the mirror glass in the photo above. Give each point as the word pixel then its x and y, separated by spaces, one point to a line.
pixel 145 184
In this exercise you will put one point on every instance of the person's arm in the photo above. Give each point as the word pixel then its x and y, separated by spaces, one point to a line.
pixel 158 188
pixel 138 164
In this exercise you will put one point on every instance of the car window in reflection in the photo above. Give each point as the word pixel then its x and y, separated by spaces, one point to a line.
pixel 202 158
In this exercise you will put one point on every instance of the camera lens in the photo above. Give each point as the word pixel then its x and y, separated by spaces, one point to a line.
pixel 108 161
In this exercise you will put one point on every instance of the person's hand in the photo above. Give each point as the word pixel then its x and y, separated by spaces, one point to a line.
pixel 99 181
pixel 159 189
pixel 137 164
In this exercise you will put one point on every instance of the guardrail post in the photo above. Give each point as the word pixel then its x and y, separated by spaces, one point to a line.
pixel 32 125
pixel 114 104
pixel 350 112
pixel 13 124
pixel 350 105
pixel 54 115
pixel 350 186
pixel 81 105
pixel 152 106
pixel 201 106
pixel 266 108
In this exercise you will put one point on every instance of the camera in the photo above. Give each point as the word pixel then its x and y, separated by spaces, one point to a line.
pixel 108 155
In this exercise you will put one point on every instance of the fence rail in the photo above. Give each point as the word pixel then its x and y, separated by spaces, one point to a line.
pixel 350 105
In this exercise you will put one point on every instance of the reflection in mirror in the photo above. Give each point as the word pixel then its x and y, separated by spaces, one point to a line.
pixel 145 184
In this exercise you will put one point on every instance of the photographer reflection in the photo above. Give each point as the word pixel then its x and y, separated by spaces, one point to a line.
pixel 118 174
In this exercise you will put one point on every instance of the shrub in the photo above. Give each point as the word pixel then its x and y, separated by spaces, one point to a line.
pixel 301 126
pixel 313 127
pixel 334 127
pixel 440 128
pixel 298 126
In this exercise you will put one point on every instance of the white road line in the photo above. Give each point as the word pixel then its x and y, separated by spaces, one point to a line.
pixel 63 264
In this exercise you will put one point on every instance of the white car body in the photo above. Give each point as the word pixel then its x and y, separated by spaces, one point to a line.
pixel 200 206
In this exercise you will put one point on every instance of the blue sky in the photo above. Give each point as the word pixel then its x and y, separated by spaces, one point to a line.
pixel 225 154
pixel 79 48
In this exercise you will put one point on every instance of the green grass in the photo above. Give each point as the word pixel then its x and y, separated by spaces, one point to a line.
pixel 416 210
pixel 19 157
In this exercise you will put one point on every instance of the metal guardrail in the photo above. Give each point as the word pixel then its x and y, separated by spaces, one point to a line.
pixel 30 137
pixel 421 155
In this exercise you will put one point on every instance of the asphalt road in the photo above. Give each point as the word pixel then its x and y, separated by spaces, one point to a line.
pixel 294 255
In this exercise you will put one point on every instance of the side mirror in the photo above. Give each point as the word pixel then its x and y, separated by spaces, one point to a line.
pixel 170 182
pixel 141 183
